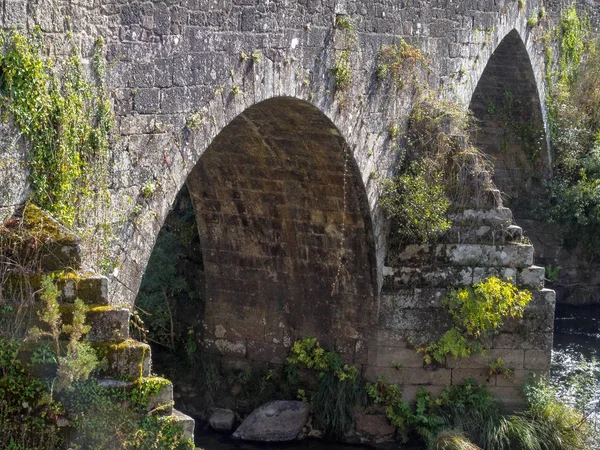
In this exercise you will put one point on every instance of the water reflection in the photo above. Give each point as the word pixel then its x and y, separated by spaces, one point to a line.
pixel 212 441
pixel 575 358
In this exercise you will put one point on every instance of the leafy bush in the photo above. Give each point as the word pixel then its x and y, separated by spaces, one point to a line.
pixel 338 387
pixel 574 115
pixel 27 411
pixel 416 203
pixel 476 310
pixel 397 62
pixel 434 173
pixel 111 419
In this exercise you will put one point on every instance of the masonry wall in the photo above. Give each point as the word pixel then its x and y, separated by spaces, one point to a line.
pixel 169 60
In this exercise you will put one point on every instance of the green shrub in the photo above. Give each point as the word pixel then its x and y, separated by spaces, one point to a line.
pixel 476 310
pixel 27 411
pixel 342 72
pixel 432 174
pixel 416 204
pixel 338 387
pixel 397 63
pixel 573 199
pixel 114 419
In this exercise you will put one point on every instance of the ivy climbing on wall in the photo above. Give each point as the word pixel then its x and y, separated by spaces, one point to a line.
pixel 65 119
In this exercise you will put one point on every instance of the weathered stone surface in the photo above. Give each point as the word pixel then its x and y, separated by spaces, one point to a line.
pixel 276 421
pixel 162 401
pixel 108 323
pixel 185 421
pixel 222 420
pixel 127 360
pixel 372 423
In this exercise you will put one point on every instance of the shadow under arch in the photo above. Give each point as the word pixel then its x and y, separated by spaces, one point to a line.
pixel 285 238
pixel 510 126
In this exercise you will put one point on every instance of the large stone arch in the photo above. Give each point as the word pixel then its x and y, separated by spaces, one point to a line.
pixel 285 233
pixel 510 125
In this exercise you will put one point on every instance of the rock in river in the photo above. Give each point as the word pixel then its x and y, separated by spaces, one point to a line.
pixel 275 421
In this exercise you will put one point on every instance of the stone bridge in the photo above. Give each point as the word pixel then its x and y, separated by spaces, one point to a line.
pixel 236 99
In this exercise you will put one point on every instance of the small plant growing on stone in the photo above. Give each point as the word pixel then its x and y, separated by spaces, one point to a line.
pixel 244 56
pixel 521 5
pixel 344 22
pixel 79 359
pixel 148 189
pixel 256 56
pixel 497 367
pixel 532 22
pixel 195 121
pixel 397 62
pixel 338 389
pixel 235 90
pixel 342 72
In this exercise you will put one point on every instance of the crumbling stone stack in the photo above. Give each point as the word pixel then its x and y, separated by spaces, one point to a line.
pixel 127 360
pixel 483 241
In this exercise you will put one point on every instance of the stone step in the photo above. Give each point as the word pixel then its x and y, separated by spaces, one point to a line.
pixel 493 217
pixel 160 403
pixel 127 360
pixel 185 421
pixel 91 288
pixel 484 234
pixel 531 277
pixel 474 255
pixel 107 323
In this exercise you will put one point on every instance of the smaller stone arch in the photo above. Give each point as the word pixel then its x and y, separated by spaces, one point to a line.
pixel 511 127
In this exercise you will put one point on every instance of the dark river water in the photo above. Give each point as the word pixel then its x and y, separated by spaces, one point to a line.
pixel 575 357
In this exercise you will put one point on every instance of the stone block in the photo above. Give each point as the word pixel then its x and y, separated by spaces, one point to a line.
pixel 372 422
pixel 531 277
pixel 147 100
pixel 538 360
pixel 186 422
pixel 222 420
pixel 108 323
pixel 128 360
pixel 508 255
pixel 510 396
pixel 504 273
pixel 409 375
pixel 92 289
pixel 480 375
pixel 162 401
pixel 391 356
pixel 526 341
pixel 511 357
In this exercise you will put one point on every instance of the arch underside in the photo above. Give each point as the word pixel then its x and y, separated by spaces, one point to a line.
pixel 285 235
pixel 510 126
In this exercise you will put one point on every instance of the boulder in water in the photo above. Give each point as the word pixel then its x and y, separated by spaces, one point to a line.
pixel 275 421
pixel 222 420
